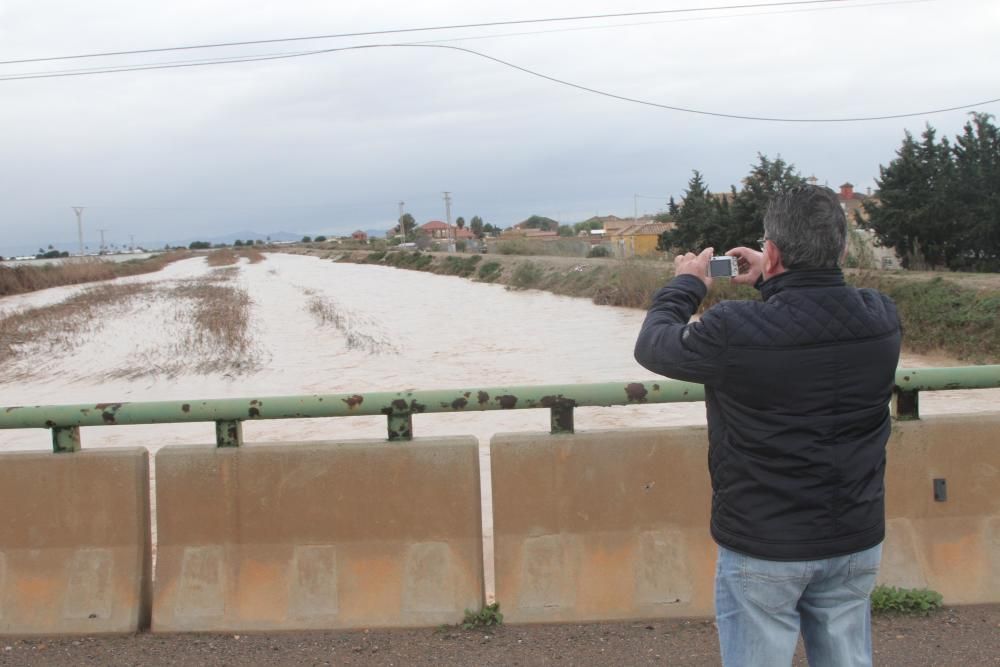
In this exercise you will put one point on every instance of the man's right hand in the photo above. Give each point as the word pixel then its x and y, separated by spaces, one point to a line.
pixel 751 264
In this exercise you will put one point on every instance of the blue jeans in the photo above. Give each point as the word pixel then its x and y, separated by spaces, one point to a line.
pixel 762 605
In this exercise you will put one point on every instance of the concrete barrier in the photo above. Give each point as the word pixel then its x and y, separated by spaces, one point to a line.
pixel 74 542
pixel 318 535
pixel 610 525
pixel 952 545
pixel 602 525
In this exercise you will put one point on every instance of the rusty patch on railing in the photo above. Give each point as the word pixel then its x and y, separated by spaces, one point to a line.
pixel 636 392
pixel 353 401
pixel 507 402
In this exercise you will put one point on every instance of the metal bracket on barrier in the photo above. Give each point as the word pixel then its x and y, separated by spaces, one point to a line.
pixel 905 404
pixel 228 433
pixel 400 426
pixel 561 419
pixel 65 439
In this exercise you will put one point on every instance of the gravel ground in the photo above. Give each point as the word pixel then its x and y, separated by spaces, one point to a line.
pixel 961 636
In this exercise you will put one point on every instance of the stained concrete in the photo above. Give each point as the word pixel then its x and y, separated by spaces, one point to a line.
pixel 614 524
pixel 74 542
pixel 602 525
pixel 318 535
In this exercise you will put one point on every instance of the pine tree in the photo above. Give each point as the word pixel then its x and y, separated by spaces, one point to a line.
pixel 695 219
pixel 915 212
pixel 745 222
pixel 976 195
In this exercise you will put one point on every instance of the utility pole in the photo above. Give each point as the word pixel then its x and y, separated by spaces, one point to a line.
pixel 402 227
pixel 447 215
pixel 102 250
pixel 79 225
pixel 131 242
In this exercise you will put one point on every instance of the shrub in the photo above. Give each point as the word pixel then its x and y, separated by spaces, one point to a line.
pixel 485 617
pixel 526 275
pixel 599 251
pixel 889 599
pixel 489 272
pixel 320 238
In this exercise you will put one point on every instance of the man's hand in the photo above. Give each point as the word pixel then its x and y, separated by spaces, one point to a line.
pixel 694 265
pixel 751 265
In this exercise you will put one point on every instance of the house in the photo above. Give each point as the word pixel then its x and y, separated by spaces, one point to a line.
pixel 360 236
pixel 638 240
pixel 852 202
pixel 435 229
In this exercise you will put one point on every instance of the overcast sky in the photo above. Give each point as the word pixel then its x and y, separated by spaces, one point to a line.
pixel 331 143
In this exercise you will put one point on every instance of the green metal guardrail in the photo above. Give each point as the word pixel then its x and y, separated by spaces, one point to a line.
pixel 399 407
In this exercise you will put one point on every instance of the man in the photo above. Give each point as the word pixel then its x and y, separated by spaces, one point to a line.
pixel 797 390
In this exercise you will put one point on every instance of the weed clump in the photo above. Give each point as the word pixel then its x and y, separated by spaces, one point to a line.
pixel 489 615
pixel 889 599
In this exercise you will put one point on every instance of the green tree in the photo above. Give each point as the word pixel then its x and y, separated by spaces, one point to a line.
pixel 320 238
pixel 592 223
pixel 696 220
pixel 915 213
pixel 460 222
pixel 237 243
pixel 976 195
pixel 540 222
pixel 476 226
pixel 744 218
pixel 307 239
pixel 566 230
pixel 199 245
pixel 407 225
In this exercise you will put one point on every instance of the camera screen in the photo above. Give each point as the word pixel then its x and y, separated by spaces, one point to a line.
pixel 721 267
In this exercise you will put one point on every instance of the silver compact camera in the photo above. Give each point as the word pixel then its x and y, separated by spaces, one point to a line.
pixel 723 267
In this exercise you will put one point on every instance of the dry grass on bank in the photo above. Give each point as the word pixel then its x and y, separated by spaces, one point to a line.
pixel 359 333
pixel 230 256
pixel 58 329
pixel 23 278
pixel 200 326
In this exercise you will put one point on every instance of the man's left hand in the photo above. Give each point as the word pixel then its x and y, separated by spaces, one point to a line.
pixel 694 265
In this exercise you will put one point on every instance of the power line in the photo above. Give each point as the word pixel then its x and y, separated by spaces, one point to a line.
pixel 562 82
pixel 371 33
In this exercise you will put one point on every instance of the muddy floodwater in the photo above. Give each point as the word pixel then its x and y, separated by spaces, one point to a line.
pixel 320 327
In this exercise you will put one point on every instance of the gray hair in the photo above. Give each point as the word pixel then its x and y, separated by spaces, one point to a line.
pixel 808 225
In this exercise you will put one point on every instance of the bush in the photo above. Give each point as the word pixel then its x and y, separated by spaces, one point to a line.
pixel 889 599
pixel 489 272
pixel 320 238
pixel 459 266
pixel 526 275
pixel 599 251
pixel 485 617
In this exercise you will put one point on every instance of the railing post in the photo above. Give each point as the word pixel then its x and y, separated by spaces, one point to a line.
pixel 400 426
pixel 65 439
pixel 228 433
pixel 905 404
pixel 561 419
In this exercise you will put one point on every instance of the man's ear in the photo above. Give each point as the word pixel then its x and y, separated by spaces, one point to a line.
pixel 772 260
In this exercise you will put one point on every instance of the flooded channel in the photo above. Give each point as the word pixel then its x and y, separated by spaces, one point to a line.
pixel 321 327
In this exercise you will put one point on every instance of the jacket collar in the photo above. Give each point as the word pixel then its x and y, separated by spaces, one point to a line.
pixel 801 278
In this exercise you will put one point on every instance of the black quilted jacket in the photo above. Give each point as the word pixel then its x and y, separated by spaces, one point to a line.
pixel 797 390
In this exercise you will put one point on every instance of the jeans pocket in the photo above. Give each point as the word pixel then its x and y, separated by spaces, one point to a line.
pixel 773 585
pixel 863 571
